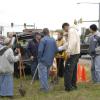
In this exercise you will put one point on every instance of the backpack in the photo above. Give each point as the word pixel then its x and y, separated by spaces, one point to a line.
pixel 97 49
pixel 94 44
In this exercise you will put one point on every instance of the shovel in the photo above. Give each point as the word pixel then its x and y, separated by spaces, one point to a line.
pixel 22 74
pixel 34 75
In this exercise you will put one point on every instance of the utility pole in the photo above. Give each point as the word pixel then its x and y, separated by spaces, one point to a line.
pixel 99 13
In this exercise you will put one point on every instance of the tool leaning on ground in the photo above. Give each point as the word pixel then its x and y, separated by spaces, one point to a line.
pixel 34 74
pixel 22 73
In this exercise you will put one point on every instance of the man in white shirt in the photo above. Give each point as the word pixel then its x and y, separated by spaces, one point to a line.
pixel 72 47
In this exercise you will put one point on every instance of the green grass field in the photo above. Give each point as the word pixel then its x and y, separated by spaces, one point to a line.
pixel 85 91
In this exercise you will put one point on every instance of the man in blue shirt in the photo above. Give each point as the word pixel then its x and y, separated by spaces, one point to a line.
pixel 46 52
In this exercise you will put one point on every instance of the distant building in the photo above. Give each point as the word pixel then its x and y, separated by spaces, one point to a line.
pixel 30 31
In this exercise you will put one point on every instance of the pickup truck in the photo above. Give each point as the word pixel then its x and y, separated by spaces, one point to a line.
pixel 85 46
pixel 23 40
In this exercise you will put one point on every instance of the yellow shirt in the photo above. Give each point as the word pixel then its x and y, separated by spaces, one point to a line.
pixel 60 42
pixel 61 54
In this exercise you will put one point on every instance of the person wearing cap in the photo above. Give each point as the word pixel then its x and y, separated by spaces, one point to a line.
pixel 7 60
pixel 60 57
pixel 12 36
pixel 33 52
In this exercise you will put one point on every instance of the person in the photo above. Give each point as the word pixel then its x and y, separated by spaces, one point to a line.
pixel 46 52
pixel 0 45
pixel 94 43
pixel 33 52
pixel 12 36
pixel 1 40
pixel 7 60
pixel 60 56
pixel 53 73
pixel 72 47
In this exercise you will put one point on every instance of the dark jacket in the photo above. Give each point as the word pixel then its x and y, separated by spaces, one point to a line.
pixel 33 48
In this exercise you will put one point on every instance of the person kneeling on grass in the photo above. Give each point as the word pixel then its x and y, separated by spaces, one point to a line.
pixel 7 60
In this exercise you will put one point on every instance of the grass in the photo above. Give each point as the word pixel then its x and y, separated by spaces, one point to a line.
pixel 85 91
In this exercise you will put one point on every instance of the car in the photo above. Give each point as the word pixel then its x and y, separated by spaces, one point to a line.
pixel 84 46
pixel 84 49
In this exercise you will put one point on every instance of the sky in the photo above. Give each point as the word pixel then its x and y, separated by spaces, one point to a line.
pixel 46 13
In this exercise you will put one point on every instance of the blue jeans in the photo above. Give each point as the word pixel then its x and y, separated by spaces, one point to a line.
pixel 43 76
pixel 95 69
pixel 6 85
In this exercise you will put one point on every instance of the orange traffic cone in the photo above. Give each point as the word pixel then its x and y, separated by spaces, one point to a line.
pixel 79 70
pixel 84 76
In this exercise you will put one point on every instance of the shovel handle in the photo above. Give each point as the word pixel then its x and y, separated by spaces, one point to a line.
pixel 21 65
pixel 34 75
